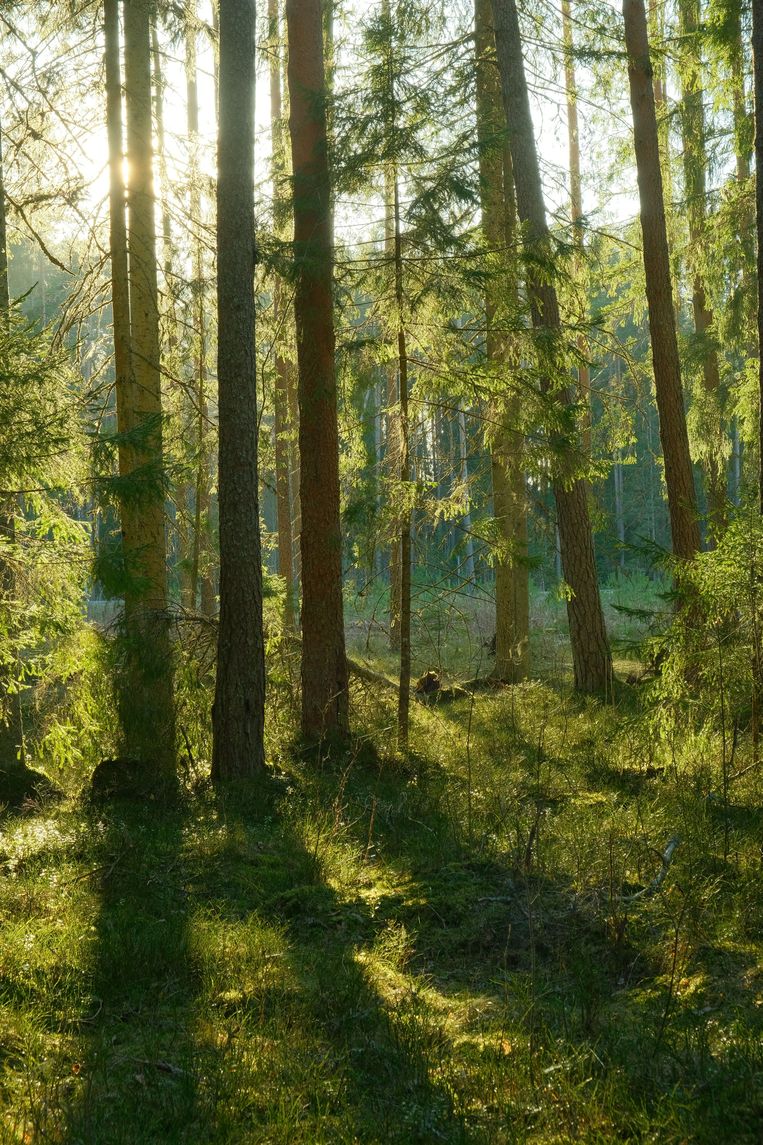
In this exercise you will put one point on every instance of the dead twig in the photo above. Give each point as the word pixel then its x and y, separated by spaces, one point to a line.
pixel 653 887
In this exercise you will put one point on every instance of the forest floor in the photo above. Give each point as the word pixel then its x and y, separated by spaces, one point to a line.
pixel 545 925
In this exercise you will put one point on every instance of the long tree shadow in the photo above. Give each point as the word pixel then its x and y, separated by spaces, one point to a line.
pixel 138 1074
pixel 366 1070
pixel 269 967
pixel 583 980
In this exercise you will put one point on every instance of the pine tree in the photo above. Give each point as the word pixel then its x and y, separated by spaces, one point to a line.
pixel 325 698
pixel 146 699
pixel 283 430
pixel 239 711
pixel 512 595
pixel 757 59
pixel 665 363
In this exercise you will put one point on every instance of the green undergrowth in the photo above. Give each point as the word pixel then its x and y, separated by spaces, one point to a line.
pixel 481 943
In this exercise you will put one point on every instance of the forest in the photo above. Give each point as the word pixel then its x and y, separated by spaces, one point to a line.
pixel 381 571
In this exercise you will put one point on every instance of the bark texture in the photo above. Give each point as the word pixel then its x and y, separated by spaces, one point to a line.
pixel 592 663
pixel 497 201
pixel 684 526
pixel 200 572
pixel 11 723
pixel 239 709
pixel 324 664
pixel 576 211
pixel 282 428
pixel 146 693
pixel 403 453
pixel 757 59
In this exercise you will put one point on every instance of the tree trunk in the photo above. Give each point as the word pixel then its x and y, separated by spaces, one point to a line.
pixel 617 474
pixel 282 429
pixel 393 412
pixel 695 189
pixel 167 246
pixel 239 709
pixel 591 658
pixel 659 85
pixel 146 699
pixel 679 479
pixel 11 722
pixel 200 570
pixel 576 213
pixel 512 578
pixel 757 58
pixel 463 452
pixel 403 453
pixel 325 700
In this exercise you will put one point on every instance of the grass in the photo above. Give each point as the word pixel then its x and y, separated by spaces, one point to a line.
pixel 455 948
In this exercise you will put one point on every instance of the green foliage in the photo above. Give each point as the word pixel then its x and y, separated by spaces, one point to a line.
pixel 467 951
pixel 712 670
pixel 43 547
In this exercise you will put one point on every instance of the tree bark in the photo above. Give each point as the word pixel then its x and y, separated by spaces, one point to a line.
pixel 146 693
pixel 498 207
pixel 592 663
pixel 392 429
pixel 576 213
pixel 463 452
pixel 200 566
pixel 325 702
pixel 282 428
pixel 11 722
pixel 403 453
pixel 239 710
pixel 757 58
pixel 679 478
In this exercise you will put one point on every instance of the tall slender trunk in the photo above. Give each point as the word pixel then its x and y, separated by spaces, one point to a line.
pixel 325 698
pixel 393 413
pixel 392 425
pixel 659 83
pixel 146 699
pixel 200 570
pixel 757 58
pixel 463 466
pixel 695 184
pixel 120 287
pixel 617 475
pixel 591 658
pixel 679 478
pixel 512 577
pixel 404 474
pixel 167 248
pixel 169 324
pixel 11 722
pixel 292 372
pixel 576 213
pixel 282 428
pixel 238 715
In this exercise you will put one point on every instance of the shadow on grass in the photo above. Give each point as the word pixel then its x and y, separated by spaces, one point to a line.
pixel 339 959
pixel 350 1065
pixel 137 1074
